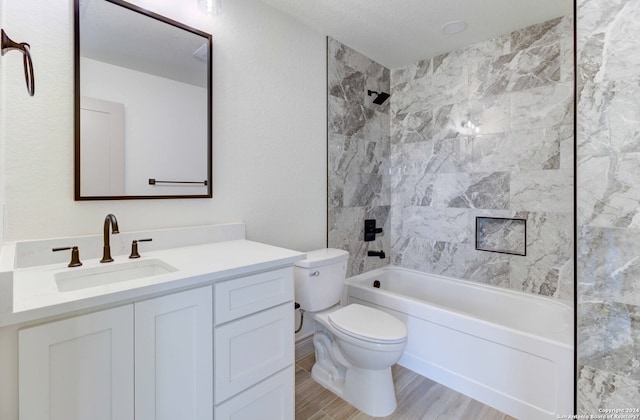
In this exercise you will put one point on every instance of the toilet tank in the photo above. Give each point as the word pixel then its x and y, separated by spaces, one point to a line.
pixel 319 278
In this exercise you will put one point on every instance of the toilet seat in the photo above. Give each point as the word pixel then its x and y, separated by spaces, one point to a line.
pixel 368 324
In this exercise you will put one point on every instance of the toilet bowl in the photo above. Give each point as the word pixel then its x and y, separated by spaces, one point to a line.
pixel 355 345
pixel 354 364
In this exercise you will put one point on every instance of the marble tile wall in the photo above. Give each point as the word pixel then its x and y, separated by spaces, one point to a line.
pixel 608 159
pixel 487 131
pixel 358 155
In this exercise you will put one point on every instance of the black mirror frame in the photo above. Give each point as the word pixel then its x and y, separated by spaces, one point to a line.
pixel 76 40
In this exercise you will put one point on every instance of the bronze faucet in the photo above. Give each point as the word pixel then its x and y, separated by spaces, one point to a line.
pixel 110 219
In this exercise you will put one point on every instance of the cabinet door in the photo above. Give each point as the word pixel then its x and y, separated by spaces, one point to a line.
pixel 79 368
pixel 174 356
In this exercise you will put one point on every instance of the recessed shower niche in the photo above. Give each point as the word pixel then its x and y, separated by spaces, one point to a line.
pixel 503 235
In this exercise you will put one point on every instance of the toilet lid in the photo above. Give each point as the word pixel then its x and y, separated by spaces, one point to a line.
pixel 368 324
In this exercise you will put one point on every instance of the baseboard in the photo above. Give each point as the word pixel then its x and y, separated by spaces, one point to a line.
pixel 304 346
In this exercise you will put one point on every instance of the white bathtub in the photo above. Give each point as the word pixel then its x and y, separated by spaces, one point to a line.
pixel 510 350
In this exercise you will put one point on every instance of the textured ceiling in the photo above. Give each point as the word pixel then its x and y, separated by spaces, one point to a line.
pixel 401 32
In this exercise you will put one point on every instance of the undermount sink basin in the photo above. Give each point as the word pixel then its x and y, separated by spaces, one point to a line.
pixel 110 273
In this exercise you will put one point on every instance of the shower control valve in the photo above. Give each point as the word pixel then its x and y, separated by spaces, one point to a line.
pixel 370 230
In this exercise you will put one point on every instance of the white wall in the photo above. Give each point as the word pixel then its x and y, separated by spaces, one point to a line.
pixel 269 129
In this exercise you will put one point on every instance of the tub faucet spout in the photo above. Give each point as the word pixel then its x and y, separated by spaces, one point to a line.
pixel 376 254
pixel 109 220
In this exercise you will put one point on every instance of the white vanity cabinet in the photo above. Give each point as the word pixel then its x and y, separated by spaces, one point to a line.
pixel 208 335
pixel 254 347
pixel 91 366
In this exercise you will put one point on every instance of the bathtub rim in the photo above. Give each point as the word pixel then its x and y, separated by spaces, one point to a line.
pixel 566 342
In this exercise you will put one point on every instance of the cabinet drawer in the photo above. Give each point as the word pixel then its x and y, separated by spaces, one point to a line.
pixel 251 349
pixel 271 399
pixel 244 296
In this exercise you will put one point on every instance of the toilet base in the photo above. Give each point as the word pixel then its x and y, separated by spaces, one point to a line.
pixel 370 391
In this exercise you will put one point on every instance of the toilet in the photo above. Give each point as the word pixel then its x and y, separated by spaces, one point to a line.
pixel 355 345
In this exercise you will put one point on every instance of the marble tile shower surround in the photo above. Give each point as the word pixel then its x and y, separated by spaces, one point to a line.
pixel 487 131
pixel 358 155
pixel 427 149
pixel 419 166
pixel 608 242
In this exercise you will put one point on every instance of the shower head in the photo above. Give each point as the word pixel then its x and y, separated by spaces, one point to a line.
pixel 380 97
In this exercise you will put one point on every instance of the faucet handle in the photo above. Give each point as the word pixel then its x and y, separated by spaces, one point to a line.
pixel 75 255
pixel 134 247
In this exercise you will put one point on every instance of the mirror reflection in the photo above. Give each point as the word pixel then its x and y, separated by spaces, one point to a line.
pixel 143 104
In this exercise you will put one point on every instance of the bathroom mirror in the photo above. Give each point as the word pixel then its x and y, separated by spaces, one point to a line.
pixel 142 104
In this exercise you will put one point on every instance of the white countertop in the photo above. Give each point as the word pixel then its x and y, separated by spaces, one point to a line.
pixel 36 295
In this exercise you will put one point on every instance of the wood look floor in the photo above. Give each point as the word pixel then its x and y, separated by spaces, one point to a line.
pixel 418 398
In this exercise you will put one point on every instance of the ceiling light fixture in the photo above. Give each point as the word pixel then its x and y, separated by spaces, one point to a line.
pixel 210 7
pixel 454 27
